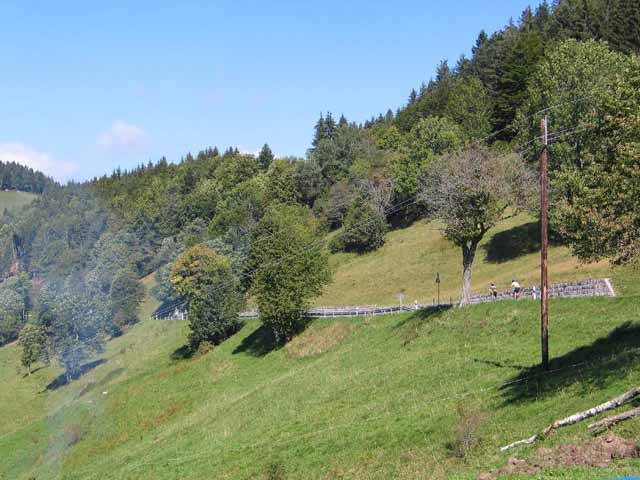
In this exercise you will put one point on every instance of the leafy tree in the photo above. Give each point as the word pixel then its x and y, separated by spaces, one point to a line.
pixel 239 212
pixel 126 295
pixel 206 280
pixel 575 78
pixel 265 157
pixel 469 106
pixel 287 268
pixel 578 79
pixel 282 183
pixel 335 153
pixel 310 182
pixel 78 325
pixel 33 340
pixel 201 203
pixel 340 197
pixel 14 302
pixel 470 191
pixel 364 230
pixel 429 138
pixel 601 216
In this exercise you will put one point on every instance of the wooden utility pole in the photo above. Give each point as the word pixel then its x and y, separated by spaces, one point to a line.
pixel 544 212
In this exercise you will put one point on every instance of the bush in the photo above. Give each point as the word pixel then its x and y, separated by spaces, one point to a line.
pixel 469 422
pixel 364 230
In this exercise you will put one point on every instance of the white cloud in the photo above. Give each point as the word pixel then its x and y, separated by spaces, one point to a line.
pixel 248 151
pixel 122 136
pixel 30 157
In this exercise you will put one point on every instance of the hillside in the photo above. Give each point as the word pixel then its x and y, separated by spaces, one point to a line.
pixel 411 258
pixel 13 199
pixel 352 398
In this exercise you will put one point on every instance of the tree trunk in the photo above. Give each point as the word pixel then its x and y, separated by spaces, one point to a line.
pixel 578 417
pixel 468 254
pixel 610 421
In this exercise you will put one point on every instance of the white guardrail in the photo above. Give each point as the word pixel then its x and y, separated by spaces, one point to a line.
pixel 601 287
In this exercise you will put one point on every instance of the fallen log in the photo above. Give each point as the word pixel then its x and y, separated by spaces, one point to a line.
pixel 613 419
pixel 577 417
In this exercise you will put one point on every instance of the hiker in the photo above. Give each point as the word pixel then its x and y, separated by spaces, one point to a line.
pixel 534 292
pixel 493 291
pixel 516 289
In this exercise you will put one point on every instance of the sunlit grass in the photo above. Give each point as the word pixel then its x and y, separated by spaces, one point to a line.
pixel 11 200
pixel 409 261
pixel 376 403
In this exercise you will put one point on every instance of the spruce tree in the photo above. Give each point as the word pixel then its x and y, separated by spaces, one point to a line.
pixel 265 157
pixel 320 131
pixel 330 126
pixel 413 96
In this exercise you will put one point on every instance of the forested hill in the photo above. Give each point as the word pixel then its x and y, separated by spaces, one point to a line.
pixel 72 259
pixel 502 63
pixel 14 176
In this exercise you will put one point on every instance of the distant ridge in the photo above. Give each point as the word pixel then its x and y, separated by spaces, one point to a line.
pixel 14 176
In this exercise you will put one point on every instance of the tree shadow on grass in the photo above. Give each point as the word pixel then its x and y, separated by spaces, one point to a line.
pixel 259 343
pixel 409 327
pixel 513 243
pixel 184 352
pixel 62 380
pixel 423 315
pixel 593 366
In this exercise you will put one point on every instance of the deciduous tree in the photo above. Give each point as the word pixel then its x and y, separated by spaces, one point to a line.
pixel 206 280
pixel 470 191
pixel 287 267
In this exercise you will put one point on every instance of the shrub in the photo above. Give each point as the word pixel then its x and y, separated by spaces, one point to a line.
pixel 364 230
pixel 467 430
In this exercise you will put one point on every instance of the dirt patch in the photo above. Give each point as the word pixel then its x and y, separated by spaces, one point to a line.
pixel 597 453
pixel 317 341
pixel 164 416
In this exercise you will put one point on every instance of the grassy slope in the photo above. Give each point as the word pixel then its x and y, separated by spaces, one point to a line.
pixel 412 256
pixel 380 404
pixel 13 199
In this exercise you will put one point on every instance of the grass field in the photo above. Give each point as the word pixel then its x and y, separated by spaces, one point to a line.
pixel 411 258
pixel 362 398
pixel 13 199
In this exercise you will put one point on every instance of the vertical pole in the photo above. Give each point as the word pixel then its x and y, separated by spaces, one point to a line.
pixel 544 207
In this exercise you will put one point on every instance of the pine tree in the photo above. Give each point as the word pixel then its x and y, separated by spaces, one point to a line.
pixel 330 126
pixel 413 96
pixel 388 118
pixel 624 28
pixel 320 131
pixel 265 157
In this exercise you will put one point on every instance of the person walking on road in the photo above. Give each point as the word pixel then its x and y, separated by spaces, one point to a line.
pixel 493 291
pixel 515 285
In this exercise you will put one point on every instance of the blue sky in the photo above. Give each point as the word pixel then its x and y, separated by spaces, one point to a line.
pixel 89 86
